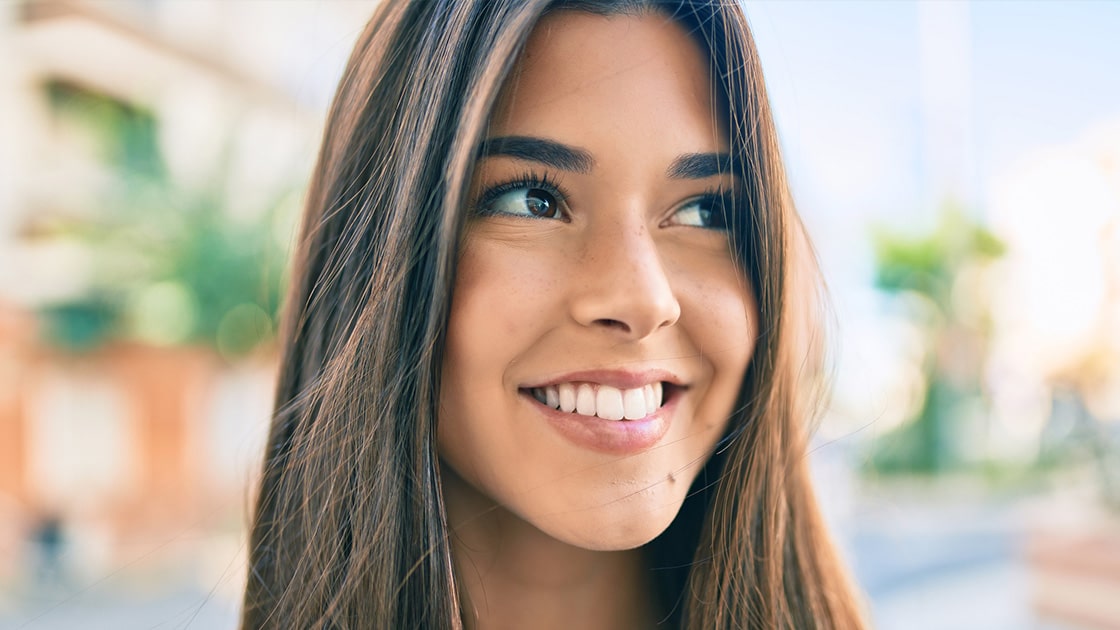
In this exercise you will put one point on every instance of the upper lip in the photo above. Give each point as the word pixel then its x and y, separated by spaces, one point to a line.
pixel 621 379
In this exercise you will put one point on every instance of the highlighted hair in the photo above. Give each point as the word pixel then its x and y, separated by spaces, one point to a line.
pixel 349 529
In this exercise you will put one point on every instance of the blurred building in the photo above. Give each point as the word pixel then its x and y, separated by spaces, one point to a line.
pixel 105 106
pixel 1057 297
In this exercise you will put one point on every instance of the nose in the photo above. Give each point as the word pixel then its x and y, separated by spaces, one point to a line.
pixel 622 284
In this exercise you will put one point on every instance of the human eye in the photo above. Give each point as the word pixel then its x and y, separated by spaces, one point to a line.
pixel 711 210
pixel 529 196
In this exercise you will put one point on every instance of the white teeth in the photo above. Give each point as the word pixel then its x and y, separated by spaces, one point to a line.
pixel 585 400
pixel 608 403
pixel 604 401
pixel 567 397
pixel 634 402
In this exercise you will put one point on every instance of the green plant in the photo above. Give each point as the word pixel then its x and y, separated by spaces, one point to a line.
pixel 923 271
pixel 169 265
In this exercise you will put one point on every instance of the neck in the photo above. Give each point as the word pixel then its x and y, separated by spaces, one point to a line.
pixel 513 575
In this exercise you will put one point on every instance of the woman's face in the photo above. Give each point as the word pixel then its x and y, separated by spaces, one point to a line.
pixel 600 331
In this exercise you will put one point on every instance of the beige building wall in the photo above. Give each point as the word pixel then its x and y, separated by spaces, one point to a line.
pixel 136 445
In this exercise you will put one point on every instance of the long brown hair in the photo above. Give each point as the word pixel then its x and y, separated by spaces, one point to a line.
pixel 350 529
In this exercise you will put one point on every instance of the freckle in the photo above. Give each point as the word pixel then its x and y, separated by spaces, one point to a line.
pixel 672 478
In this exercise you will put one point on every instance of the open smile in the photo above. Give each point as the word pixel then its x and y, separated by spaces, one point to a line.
pixel 606 418
pixel 602 401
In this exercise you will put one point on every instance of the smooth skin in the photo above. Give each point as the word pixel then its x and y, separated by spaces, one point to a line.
pixel 607 263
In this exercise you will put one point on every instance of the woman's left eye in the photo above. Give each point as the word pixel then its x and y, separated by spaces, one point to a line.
pixel 522 200
pixel 709 211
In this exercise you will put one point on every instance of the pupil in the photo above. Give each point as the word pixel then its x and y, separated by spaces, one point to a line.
pixel 539 204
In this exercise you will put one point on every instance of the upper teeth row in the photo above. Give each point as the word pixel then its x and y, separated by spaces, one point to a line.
pixel 604 401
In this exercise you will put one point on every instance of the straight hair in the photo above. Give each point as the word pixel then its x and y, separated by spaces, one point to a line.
pixel 350 529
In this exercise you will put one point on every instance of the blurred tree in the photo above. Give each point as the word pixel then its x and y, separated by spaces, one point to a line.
pixel 170 266
pixel 937 278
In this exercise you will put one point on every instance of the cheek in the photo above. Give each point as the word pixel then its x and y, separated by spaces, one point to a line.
pixel 500 291
pixel 722 320
pixel 733 323
pixel 720 313
pixel 498 307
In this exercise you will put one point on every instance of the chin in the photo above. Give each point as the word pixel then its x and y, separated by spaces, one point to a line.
pixel 623 524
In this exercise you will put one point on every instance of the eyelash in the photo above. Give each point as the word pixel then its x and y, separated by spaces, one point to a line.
pixel 727 199
pixel 528 179
pixel 724 195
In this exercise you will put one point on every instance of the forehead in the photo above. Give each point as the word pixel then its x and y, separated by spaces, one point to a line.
pixel 581 71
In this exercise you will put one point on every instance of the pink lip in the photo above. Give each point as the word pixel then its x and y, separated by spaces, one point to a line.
pixel 613 437
pixel 622 379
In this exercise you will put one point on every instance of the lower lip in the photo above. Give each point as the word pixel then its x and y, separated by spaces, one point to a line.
pixel 614 437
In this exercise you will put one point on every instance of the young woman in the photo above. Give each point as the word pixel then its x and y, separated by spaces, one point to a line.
pixel 546 348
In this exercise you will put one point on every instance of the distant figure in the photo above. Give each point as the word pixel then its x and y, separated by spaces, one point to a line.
pixel 49 540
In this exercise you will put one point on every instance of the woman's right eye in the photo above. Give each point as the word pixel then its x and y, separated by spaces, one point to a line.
pixel 522 201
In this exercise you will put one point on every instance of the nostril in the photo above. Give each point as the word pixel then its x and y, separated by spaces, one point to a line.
pixel 613 323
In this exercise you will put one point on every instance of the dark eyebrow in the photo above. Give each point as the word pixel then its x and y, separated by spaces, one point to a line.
pixel 547 152
pixel 700 165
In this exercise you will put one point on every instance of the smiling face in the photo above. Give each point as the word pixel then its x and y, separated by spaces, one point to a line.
pixel 600 330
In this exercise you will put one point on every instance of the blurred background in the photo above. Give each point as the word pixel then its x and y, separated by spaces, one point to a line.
pixel 957 164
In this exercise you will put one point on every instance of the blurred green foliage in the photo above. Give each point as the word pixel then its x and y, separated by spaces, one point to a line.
pixel 929 263
pixel 922 270
pixel 170 266
pixel 123 136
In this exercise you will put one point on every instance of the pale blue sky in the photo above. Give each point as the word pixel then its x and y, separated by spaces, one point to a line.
pixel 846 78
